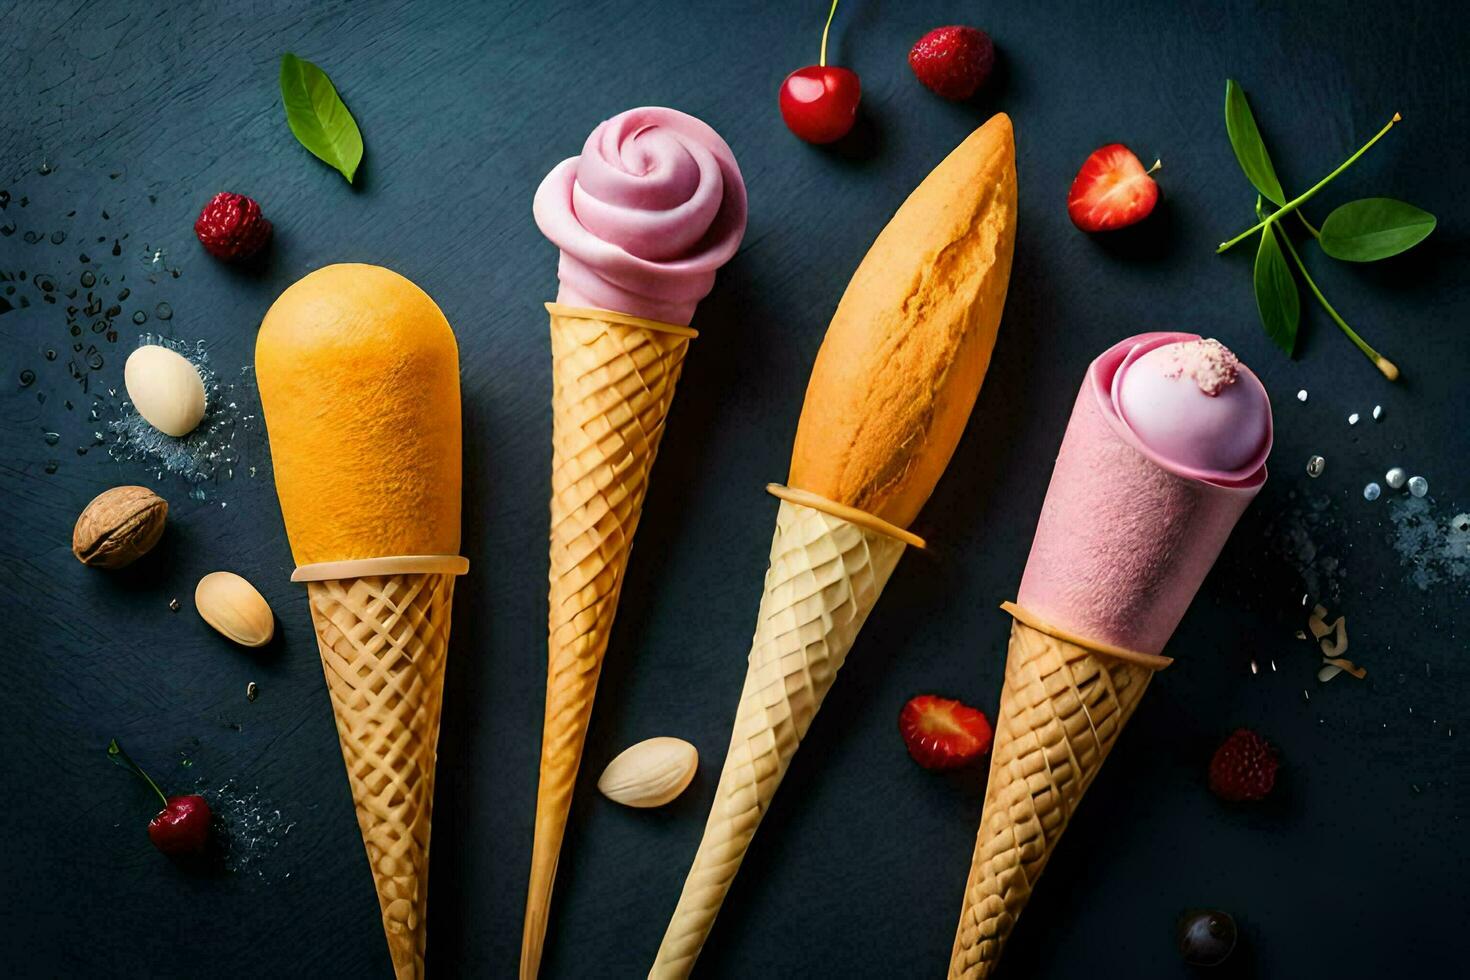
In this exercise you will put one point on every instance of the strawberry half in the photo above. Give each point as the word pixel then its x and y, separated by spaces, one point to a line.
pixel 1112 190
pixel 943 734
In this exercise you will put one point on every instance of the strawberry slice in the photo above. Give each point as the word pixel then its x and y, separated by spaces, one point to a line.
pixel 943 734
pixel 1112 190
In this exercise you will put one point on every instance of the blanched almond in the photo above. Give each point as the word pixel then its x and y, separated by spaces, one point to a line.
pixel 650 773
pixel 233 607
pixel 165 388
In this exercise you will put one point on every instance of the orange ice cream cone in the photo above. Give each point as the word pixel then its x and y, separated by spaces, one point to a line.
pixel 359 381
pixel 890 394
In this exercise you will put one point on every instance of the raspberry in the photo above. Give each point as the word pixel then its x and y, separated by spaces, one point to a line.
pixel 1243 768
pixel 231 227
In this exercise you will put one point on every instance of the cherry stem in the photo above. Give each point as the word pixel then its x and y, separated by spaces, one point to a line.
pixel 822 62
pixel 116 754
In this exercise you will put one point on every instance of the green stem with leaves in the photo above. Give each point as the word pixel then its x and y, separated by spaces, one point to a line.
pixel 1307 195
pixel 117 755
pixel 1389 369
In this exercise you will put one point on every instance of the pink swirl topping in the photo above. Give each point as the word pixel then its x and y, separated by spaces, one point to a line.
pixel 645 216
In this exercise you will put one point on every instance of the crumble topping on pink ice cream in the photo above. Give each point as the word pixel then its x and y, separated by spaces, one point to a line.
pixel 1210 363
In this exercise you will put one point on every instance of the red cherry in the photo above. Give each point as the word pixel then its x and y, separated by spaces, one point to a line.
pixel 182 827
pixel 819 102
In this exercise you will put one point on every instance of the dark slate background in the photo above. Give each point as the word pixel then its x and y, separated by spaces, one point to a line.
pixel 1356 867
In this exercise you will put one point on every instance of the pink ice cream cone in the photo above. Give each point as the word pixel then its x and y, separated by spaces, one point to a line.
pixel 644 218
pixel 1144 495
pixel 1166 447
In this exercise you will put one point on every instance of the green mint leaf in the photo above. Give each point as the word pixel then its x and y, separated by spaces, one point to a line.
pixel 1374 228
pixel 1250 151
pixel 318 117
pixel 1277 299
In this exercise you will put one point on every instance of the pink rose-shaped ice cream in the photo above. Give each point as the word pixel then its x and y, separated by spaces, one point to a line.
pixel 1166 447
pixel 645 216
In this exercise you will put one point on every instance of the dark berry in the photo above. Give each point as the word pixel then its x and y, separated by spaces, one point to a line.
pixel 1205 936
pixel 1243 767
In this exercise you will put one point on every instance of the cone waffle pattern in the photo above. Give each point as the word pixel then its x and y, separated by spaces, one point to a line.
pixel 613 383
pixel 383 641
pixel 825 576
pixel 1061 711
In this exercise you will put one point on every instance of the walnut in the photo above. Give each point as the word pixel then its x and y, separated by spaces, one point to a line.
pixel 119 527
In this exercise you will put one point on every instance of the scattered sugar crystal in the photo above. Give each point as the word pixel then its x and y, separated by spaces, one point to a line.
pixel 1353 419
pixel 1435 552
pixel 1377 412
pixel 1315 465
pixel 1371 491
pixel 1301 396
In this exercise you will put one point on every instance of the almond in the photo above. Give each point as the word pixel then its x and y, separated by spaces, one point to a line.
pixel 118 527
pixel 650 773
pixel 166 389
pixel 233 607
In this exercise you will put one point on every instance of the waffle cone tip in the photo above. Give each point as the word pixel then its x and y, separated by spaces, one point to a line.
pixel 614 379
pixel 1062 709
pixel 383 642
pixel 824 578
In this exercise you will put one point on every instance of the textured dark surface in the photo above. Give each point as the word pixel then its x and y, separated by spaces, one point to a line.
pixel 1356 867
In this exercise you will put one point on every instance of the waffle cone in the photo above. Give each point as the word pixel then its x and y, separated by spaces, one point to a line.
pixel 1061 711
pixel 383 641
pixel 825 576
pixel 613 381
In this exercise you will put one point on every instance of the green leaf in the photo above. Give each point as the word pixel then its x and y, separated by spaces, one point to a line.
pixel 318 117
pixel 1250 151
pixel 1276 296
pixel 1374 228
